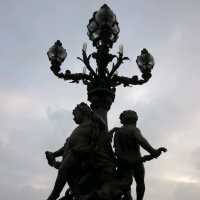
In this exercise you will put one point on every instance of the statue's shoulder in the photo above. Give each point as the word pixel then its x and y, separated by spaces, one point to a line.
pixel 130 130
pixel 126 128
pixel 85 127
pixel 123 131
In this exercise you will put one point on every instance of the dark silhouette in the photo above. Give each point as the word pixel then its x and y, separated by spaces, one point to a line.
pixel 101 81
pixel 127 142
pixel 89 165
pixel 76 152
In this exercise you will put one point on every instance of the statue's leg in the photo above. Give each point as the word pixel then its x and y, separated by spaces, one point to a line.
pixel 126 182
pixel 112 187
pixel 105 177
pixel 139 174
pixel 63 174
pixel 68 195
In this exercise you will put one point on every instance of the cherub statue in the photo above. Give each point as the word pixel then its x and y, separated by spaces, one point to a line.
pixel 127 142
pixel 77 151
pixel 88 164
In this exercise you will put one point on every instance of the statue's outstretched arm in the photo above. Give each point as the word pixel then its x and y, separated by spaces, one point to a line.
pixel 147 146
pixel 51 160
pixel 52 155
pixel 144 143
pixel 58 153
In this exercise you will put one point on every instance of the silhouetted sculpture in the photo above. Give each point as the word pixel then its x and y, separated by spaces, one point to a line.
pixel 88 163
pixel 76 152
pixel 127 142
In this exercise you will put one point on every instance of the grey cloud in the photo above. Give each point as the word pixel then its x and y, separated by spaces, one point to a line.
pixel 36 106
pixel 164 189
pixel 186 191
pixel 22 153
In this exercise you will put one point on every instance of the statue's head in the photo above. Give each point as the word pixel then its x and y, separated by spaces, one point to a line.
pixel 81 111
pixel 128 117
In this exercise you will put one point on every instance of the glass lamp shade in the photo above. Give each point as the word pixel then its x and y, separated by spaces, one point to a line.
pixel 57 53
pixel 103 27
pixel 105 16
pixel 145 61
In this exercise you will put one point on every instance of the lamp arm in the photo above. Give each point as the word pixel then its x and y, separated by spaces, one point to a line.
pixel 74 77
pixel 126 81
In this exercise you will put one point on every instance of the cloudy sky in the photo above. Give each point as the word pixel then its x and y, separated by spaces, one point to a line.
pixel 35 107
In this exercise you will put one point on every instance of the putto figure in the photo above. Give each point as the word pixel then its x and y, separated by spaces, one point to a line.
pixel 127 142
pixel 88 164
pixel 77 151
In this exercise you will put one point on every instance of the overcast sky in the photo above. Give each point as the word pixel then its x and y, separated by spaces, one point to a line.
pixel 35 107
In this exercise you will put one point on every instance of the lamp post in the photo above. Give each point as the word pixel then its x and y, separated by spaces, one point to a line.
pixel 103 31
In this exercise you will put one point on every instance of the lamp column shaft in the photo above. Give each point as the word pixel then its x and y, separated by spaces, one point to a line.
pixel 101 104
pixel 103 113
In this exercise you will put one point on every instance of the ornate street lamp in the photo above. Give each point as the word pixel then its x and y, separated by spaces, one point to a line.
pixel 103 31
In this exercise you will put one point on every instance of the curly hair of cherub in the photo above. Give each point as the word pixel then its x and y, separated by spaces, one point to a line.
pixel 128 116
pixel 83 107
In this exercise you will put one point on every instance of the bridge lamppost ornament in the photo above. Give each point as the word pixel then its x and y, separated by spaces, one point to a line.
pixel 94 163
pixel 103 31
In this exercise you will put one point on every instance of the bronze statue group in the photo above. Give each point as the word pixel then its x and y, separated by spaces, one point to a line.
pixel 92 168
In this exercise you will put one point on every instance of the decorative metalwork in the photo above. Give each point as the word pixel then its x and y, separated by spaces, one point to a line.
pixel 91 169
pixel 103 31
pixel 103 27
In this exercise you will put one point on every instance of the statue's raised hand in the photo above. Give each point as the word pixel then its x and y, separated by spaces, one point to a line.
pixel 159 151
pixel 162 149
pixel 50 158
